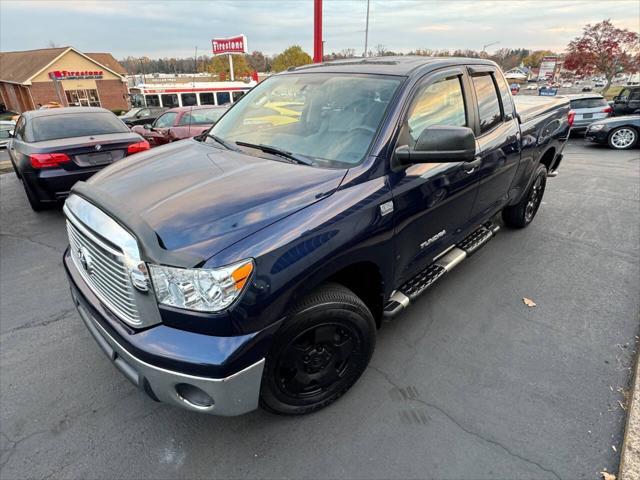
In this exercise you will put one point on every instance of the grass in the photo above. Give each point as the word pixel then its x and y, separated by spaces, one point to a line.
pixel 613 91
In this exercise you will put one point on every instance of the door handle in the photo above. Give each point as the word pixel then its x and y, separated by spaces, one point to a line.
pixel 469 167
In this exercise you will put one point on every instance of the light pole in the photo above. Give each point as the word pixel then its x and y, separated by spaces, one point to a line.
pixel 366 32
pixel 484 47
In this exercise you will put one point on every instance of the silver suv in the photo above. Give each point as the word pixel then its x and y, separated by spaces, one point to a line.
pixel 588 107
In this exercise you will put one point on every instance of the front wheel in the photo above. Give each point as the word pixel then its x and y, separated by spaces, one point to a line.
pixel 319 353
pixel 522 213
pixel 622 138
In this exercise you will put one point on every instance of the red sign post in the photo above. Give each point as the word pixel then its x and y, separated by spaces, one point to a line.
pixel 228 46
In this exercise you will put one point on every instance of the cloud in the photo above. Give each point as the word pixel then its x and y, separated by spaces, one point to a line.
pixel 175 28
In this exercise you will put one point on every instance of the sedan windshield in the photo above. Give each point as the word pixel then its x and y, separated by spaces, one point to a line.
pixel 330 118
pixel 69 125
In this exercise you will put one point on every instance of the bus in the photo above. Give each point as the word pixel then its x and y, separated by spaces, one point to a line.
pixel 171 95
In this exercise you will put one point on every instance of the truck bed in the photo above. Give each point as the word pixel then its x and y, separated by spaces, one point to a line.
pixel 530 107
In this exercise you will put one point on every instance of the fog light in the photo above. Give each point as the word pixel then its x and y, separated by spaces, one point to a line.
pixel 194 396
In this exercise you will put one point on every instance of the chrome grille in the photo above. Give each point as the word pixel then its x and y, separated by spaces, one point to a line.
pixel 104 271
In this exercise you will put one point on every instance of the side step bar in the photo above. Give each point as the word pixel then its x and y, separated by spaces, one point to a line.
pixel 413 288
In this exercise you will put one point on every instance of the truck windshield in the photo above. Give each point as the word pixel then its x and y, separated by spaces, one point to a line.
pixel 331 118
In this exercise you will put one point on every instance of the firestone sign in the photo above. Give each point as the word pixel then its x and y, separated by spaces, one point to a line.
pixel 221 46
pixel 77 75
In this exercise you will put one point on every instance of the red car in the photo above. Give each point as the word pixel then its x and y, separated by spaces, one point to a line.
pixel 178 123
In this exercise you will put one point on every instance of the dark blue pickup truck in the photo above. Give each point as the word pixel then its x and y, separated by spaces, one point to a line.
pixel 254 264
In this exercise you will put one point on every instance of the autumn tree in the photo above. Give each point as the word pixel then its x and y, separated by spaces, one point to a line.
pixel 603 49
pixel 293 56
pixel 220 66
pixel 257 61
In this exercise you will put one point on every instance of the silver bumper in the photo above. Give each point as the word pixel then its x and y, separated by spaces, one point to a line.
pixel 232 395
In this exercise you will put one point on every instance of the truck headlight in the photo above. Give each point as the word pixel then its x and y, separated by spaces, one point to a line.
pixel 201 289
pixel 596 127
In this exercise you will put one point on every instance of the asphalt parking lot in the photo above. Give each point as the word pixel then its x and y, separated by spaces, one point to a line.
pixel 469 383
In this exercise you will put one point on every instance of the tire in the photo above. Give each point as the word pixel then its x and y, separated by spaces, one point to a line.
pixel 522 213
pixel 36 204
pixel 319 353
pixel 622 138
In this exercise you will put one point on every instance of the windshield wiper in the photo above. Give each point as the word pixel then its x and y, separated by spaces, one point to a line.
pixel 277 151
pixel 222 141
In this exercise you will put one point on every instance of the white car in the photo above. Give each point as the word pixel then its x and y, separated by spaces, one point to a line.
pixel 5 128
pixel 532 86
pixel 567 85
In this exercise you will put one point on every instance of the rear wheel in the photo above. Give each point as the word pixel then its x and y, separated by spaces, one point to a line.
pixel 522 213
pixel 319 353
pixel 622 138
pixel 34 201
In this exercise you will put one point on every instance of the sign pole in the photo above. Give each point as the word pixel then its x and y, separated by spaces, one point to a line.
pixel 231 67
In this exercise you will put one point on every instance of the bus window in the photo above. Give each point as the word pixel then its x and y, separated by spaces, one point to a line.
pixel 152 100
pixel 223 97
pixel 169 100
pixel 137 100
pixel 237 95
pixel 207 99
pixel 189 99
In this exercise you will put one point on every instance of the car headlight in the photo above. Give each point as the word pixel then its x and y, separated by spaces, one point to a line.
pixel 596 127
pixel 201 289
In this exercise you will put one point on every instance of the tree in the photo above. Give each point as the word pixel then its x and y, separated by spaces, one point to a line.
pixel 257 61
pixel 293 56
pixel 603 49
pixel 220 66
pixel 534 59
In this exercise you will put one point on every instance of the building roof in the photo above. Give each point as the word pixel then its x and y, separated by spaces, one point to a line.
pixel 20 67
pixel 401 65
pixel 108 61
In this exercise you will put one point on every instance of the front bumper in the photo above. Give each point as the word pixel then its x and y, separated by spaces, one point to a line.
pixel 598 136
pixel 232 394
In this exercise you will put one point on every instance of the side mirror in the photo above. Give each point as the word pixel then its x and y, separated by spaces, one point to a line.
pixel 148 126
pixel 11 134
pixel 438 144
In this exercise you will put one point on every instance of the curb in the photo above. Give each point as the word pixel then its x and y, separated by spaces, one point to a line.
pixel 630 456
pixel 5 166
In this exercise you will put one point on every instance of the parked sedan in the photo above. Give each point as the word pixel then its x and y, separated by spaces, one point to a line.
pixel 53 149
pixel 620 133
pixel 587 108
pixel 179 123
pixel 6 127
pixel 141 115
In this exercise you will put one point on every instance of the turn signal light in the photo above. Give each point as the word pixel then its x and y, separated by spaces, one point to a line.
pixel 571 117
pixel 138 147
pixel 46 160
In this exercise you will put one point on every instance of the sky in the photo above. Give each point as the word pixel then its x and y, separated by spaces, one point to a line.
pixel 167 28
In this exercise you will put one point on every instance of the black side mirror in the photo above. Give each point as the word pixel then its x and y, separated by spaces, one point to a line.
pixel 440 143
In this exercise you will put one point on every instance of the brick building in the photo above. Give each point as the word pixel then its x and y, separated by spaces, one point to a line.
pixel 64 75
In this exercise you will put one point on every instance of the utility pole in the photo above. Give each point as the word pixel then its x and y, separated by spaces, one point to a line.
pixel 484 47
pixel 366 33
pixel 318 53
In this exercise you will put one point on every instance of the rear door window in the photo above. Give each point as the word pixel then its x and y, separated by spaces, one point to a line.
pixel 201 117
pixel 76 125
pixel 505 96
pixel 588 103
pixel 488 103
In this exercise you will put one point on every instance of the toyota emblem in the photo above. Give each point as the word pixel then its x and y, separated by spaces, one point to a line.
pixel 85 260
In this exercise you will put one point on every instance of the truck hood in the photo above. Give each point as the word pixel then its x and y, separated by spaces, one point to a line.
pixel 200 199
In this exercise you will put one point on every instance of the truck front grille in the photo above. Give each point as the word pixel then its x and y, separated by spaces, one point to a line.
pixel 102 267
